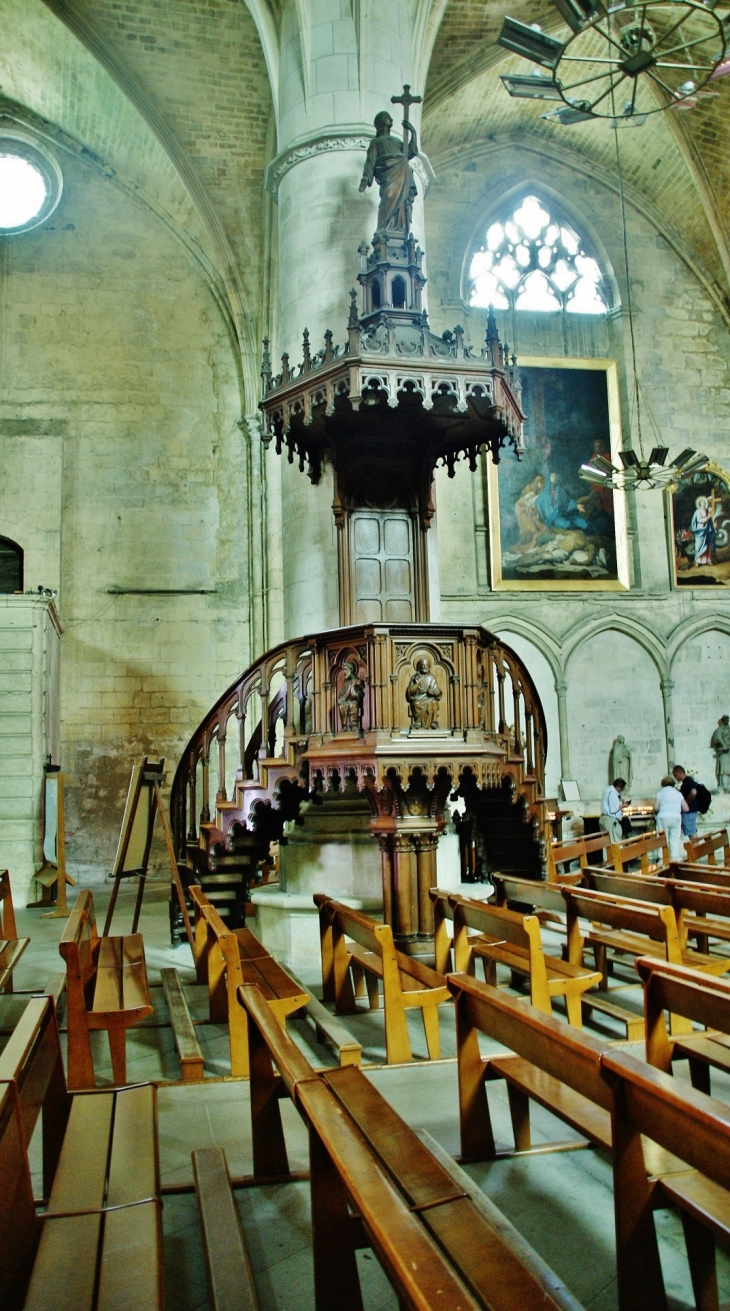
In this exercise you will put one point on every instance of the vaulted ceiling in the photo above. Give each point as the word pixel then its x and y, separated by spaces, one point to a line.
pixel 174 98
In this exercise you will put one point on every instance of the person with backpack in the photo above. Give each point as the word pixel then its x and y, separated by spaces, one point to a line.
pixel 698 800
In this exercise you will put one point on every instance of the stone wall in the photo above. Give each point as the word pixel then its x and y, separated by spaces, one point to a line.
pixel 651 662
pixel 125 480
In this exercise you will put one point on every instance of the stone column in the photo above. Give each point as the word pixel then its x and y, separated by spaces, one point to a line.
pixel 561 688
pixel 667 685
pixel 338 68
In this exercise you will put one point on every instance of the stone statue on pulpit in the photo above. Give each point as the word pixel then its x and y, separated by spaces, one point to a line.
pixel 351 696
pixel 423 695
pixel 387 163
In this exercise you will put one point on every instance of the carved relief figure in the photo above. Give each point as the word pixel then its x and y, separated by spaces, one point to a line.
pixel 423 695
pixel 387 164
pixel 720 743
pixel 620 764
pixel 351 696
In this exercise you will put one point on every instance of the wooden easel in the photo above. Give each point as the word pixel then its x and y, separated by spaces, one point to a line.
pixel 144 802
pixel 53 869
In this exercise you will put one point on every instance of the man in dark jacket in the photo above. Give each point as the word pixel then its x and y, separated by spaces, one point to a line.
pixel 688 788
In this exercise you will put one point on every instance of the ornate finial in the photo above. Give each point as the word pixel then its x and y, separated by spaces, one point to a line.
pixel 492 338
pixel 305 351
pixel 266 367
pixel 459 334
pixel 354 320
pixel 328 346
pixel 285 374
pixel 362 251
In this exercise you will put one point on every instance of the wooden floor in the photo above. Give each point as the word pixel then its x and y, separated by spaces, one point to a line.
pixel 562 1202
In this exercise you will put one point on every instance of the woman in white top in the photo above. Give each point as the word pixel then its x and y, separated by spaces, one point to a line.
pixel 669 807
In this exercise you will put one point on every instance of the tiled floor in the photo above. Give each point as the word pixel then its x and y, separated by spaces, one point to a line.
pixel 561 1202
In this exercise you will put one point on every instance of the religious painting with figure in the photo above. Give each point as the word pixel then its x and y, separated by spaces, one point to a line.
pixel 549 528
pixel 700 519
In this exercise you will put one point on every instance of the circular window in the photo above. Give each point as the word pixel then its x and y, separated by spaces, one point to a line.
pixel 30 183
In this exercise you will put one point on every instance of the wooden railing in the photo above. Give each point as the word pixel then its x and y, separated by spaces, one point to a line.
pixel 488 707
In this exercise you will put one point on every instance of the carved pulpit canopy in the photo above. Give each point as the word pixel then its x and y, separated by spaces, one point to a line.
pixel 394 388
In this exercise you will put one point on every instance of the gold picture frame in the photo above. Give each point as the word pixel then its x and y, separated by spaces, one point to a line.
pixel 686 536
pixel 589 565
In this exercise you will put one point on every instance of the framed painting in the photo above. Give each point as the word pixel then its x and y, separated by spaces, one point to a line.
pixel 699 517
pixel 550 530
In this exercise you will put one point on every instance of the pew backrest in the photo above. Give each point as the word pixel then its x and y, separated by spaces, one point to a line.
pixel 533 892
pixel 624 885
pixel 79 942
pixel 567 1054
pixel 8 927
pixel 656 922
pixel 690 997
pixel 493 924
pixel 641 848
pixel 686 872
pixel 705 847
pixel 561 855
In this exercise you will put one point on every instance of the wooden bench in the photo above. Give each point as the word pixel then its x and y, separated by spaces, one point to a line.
pixel 331 1032
pixel 11 946
pixel 547 1062
pixel 630 927
pixel 652 1110
pixel 376 1183
pixel 230 1278
pixel 705 847
pixel 562 855
pixel 716 875
pixel 371 955
pixel 702 911
pixel 227 958
pixel 501 936
pixel 549 906
pixel 695 999
pixel 106 988
pixel 192 1066
pixel 641 848
pixel 98 1244
pixel 611 1099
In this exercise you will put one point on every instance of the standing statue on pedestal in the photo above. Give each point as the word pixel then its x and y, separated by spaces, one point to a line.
pixel 620 764
pixel 423 695
pixel 350 700
pixel 720 743
pixel 387 163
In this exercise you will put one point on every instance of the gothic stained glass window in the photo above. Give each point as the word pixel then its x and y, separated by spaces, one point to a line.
pixel 529 260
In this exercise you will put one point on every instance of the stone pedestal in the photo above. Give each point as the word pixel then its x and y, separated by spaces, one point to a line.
pixel 30 632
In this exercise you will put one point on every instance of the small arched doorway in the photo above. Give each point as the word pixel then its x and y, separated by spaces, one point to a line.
pixel 11 566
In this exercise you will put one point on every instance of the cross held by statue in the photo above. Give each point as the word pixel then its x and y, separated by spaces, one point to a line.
pixel 406 100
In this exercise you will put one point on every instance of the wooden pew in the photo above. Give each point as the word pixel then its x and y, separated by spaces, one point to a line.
pixel 630 927
pixel 702 911
pixel 99 1242
pixel 106 988
pixel 229 958
pixel 440 1240
pixel 549 906
pixel 11 946
pixel 612 1099
pixel 695 999
pixel 508 938
pixel 717 875
pixel 548 1062
pixel 231 1285
pixel 704 847
pixel 641 848
pixel 372 953
pixel 561 855
pixel 650 1108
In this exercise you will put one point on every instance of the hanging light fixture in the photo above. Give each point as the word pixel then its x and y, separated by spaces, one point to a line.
pixel 654 55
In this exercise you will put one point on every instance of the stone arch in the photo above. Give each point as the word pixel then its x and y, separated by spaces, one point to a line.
pixel 644 637
pixel 614 676
pixel 700 670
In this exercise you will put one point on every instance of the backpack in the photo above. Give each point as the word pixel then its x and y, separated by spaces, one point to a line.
pixel 704 799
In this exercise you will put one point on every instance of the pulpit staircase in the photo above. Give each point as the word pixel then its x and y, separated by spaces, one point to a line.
pixel 230 806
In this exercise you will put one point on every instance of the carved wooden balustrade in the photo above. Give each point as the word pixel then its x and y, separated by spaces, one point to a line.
pixel 404 713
